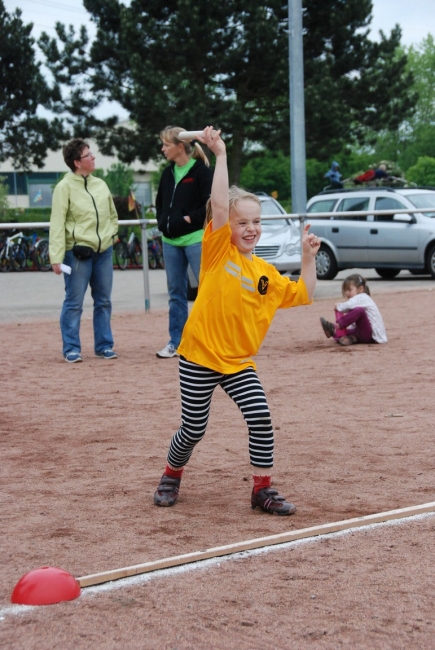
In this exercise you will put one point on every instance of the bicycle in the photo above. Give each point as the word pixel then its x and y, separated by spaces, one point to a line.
pixel 40 254
pixel 155 250
pixel 4 262
pixel 130 250
pixel 27 248
pixel 8 254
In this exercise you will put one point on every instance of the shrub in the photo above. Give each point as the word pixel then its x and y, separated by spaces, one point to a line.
pixel 423 172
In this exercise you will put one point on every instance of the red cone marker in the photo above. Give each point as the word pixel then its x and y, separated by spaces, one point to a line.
pixel 45 586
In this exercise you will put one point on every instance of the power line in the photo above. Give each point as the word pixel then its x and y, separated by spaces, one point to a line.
pixel 56 5
pixel 49 27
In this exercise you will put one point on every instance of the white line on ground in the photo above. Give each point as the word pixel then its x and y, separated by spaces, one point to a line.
pixel 17 610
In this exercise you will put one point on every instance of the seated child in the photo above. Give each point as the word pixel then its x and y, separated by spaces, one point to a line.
pixel 358 320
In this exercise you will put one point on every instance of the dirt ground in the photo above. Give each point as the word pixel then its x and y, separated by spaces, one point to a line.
pixel 82 447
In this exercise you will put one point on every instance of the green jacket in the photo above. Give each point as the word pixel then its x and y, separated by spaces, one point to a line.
pixel 83 213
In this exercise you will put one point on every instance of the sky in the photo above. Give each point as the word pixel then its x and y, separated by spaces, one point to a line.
pixel 415 17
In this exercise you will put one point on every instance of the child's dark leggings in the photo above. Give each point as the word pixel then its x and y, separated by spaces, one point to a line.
pixel 197 385
pixel 363 328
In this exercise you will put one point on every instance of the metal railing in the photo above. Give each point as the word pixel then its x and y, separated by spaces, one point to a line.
pixel 302 217
pixel 128 222
pixel 357 213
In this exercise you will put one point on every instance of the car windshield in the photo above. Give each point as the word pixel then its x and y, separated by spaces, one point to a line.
pixel 322 206
pixel 270 208
pixel 423 201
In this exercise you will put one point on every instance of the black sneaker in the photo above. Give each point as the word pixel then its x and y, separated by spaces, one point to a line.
pixel 270 501
pixel 167 491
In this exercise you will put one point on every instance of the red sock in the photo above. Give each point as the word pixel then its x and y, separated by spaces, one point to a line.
pixel 176 473
pixel 261 481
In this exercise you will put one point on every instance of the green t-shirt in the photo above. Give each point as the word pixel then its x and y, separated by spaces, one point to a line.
pixel 193 237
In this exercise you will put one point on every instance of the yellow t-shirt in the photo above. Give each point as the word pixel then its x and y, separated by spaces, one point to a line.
pixel 237 300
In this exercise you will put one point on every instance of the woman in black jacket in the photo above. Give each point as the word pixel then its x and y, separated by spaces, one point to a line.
pixel 184 190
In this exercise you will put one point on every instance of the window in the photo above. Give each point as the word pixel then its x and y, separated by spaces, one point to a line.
pixel 142 192
pixel 423 201
pixel 354 204
pixel 16 182
pixel 387 203
pixel 40 195
pixel 269 208
pixel 323 206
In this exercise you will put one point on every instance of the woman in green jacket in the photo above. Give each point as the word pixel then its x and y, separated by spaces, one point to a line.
pixel 83 225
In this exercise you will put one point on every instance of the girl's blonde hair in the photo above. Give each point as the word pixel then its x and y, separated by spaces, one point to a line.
pixel 193 149
pixel 357 280
pixel 236 194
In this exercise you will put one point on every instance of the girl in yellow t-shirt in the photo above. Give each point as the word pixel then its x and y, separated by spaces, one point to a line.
pixel 238 296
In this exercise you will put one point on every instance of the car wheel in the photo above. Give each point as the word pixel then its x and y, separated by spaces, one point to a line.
pixel 430 263
pixel 417 271
pixel 326 265
pixel 388 274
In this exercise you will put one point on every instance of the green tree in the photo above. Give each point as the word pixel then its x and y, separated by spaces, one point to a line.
pixel 267 172
pixel 423 172
pixel 4 203
pixel 194 63
pixel 346 93
pixel 421 60
pixel 415 136
pixel 316 180
pixel 119 178
pixel 24 137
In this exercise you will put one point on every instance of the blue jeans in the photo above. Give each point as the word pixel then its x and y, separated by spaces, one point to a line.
pixel 96 272
pixel 177 259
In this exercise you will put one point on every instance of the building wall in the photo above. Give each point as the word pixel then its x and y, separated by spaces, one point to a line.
pixel 35 188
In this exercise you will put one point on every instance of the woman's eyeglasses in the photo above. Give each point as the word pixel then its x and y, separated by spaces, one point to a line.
pixel 87 155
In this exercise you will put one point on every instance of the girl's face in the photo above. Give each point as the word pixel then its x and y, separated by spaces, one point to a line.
pixel 352 290
pixel 245 224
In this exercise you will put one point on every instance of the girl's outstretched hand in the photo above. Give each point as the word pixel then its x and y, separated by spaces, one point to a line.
pixel 212 139
pixel 310 242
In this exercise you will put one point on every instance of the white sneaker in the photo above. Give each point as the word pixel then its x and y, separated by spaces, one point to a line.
pixel 167 352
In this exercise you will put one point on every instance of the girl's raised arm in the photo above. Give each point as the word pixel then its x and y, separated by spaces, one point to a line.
pixel 220 187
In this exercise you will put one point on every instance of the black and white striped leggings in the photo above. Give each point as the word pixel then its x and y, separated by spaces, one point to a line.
pixel 197 385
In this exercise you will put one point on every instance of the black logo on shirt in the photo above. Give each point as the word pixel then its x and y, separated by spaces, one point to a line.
pixel 263 283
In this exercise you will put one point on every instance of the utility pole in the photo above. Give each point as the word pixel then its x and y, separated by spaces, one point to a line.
pixel 297 108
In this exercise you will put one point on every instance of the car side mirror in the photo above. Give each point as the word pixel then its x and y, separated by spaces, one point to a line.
pixel 404 218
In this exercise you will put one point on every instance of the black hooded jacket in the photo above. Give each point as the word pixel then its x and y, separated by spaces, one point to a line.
pixel 188 198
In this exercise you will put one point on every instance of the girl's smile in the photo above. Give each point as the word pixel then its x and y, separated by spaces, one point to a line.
pixel 245 223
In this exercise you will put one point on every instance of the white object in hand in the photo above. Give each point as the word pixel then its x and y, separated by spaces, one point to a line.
pixel 189 135
pixel 65 268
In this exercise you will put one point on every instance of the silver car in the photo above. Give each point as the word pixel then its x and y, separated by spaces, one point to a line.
pixel 387 242
pixel 279 244
pixel 280 241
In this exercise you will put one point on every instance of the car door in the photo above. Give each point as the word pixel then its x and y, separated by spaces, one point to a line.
pixel 349 233
pixel 391 241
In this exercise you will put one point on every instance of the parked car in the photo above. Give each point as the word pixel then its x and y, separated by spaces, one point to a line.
pixel 388 243
pixel 280 241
